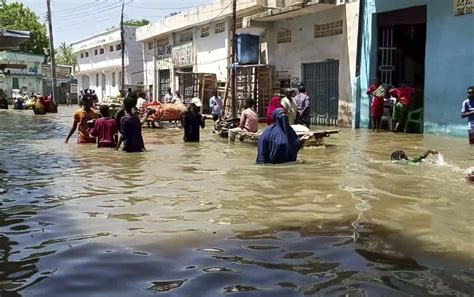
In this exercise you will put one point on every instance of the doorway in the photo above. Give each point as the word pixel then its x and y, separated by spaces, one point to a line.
pixel 401 52
pixel 321 81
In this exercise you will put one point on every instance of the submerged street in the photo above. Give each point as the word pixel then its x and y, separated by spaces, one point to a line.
pixel 201 219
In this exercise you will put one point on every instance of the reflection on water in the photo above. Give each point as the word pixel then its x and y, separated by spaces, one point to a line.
pixel 203 220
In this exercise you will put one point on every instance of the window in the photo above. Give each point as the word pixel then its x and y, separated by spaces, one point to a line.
pixel 328 29
pixel 150 45
pixel 82 55
pixel 220 27
pixel 97 79
pixel 239 22
pixel 101 51
pixel 111 48
pixel 185 37
pixel 163 42
pixel 95 52
pixel 113 79
pixel 284 36
pixel 118 47
pixel 87 54
pixel 205 31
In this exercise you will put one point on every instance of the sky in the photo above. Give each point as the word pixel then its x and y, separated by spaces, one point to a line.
pixel 74 20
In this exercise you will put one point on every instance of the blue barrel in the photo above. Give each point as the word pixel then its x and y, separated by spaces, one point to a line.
pixel 248 49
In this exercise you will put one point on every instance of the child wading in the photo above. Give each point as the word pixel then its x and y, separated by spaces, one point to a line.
pixel 192 121
pixel 105 129
pixel 130 129
pixel 377 91
pixel 81 117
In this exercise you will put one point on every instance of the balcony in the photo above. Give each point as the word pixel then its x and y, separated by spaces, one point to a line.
pixel 163 52
pixel 183 54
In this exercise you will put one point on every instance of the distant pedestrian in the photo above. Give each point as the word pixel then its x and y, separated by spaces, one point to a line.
pixel 130 129
pixel 215 103
pixel 468 112
pixel 81 118
pixel 303 106
pixel 177 98
pixel 129 91
pixel 275 103
pixel 105 129
pixel 168 97
pixel 192 121
pixel 68 99
pixel 141 101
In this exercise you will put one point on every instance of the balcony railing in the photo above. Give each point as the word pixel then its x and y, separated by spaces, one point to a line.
pixel 163 52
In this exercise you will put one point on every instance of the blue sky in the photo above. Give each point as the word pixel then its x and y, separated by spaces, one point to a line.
pixel 77 19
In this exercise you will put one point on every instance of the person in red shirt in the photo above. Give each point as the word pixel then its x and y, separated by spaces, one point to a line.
pixel 404 95
pixel 105 129
pixel 377 91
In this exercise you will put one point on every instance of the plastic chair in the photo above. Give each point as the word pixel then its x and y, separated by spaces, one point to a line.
pixel 387 116
pixel 415 117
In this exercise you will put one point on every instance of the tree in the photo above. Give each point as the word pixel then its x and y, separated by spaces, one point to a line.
pixel 139 23
pixel 16 16
pixel 64 55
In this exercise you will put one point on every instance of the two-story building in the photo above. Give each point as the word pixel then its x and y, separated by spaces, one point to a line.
pixel 99 62
pixel 195 41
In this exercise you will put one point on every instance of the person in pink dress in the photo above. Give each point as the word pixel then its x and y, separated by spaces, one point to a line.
pixel 105 129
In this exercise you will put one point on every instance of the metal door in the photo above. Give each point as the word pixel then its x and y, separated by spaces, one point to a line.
pixel 165 82
pixel 387 48
pixel 322 85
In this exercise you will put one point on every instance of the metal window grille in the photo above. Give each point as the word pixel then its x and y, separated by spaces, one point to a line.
pixel 95 52
pixel 82 55
pixel 328 29
pixel 150 45
pixel 220 27
pixel 239 23
pixel 118 47
pixel 284 36
pixel 101 51
pixel 111 48
pixel 162 42
pixel 205 31
pixel 185 37
pixel 87 54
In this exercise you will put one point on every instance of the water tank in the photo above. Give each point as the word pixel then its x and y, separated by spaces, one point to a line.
pixel 248 49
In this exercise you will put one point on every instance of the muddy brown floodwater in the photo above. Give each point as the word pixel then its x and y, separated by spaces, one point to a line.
pixel 204 220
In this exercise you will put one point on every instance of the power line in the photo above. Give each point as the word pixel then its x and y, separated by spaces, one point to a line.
pixel 78 8
pixel 95 12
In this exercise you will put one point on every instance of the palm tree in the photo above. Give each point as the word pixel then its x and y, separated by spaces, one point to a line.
pixel 64 55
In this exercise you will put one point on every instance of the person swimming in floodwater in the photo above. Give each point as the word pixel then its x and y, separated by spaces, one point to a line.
pixel 401 156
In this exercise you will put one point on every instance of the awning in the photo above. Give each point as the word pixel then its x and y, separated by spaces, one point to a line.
pixel 11 39
pixel 295 10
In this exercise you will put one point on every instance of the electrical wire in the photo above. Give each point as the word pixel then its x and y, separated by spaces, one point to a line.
pixel 95 12
pixel 78 8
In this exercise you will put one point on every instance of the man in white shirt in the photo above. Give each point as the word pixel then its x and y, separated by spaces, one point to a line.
pixel 168 97
pixel 215 103
pixel 141 103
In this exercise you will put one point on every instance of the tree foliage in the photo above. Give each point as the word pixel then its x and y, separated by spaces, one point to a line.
pixel 139 23
pixel 64 55
pixel 16 16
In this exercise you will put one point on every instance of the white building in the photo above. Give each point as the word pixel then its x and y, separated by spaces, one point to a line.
pixel 310 41
pixel 196 41
pixel 99 62
pixel 315 44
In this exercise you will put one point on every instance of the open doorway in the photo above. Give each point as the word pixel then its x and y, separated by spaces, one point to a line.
pixel 401 57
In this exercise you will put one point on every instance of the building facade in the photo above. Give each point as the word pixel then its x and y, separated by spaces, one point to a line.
pixel 99 62
pixel 427 44
pixel 21 71
pixel 196 41
pixel 315 44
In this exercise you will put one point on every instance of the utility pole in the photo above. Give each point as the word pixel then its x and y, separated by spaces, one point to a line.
pixel 122 42
pixel 234 60
pixel 53 61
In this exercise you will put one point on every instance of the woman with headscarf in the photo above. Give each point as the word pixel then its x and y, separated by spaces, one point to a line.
pixel 274 104
pixel 279 142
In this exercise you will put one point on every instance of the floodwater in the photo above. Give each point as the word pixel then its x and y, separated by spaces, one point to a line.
pixel 204 220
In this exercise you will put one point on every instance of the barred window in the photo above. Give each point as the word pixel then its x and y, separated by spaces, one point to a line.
pixel 87 54
pixel 284 36
pixel 111 48
pixel 205 31
pixel 220 27
pixel 82 55
pixel 101 51
pixel 328 29
pixel 239 23
pixel 150 45
pixel 118 47
pixel 185 37
pixel 162 42
pixel 95 52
